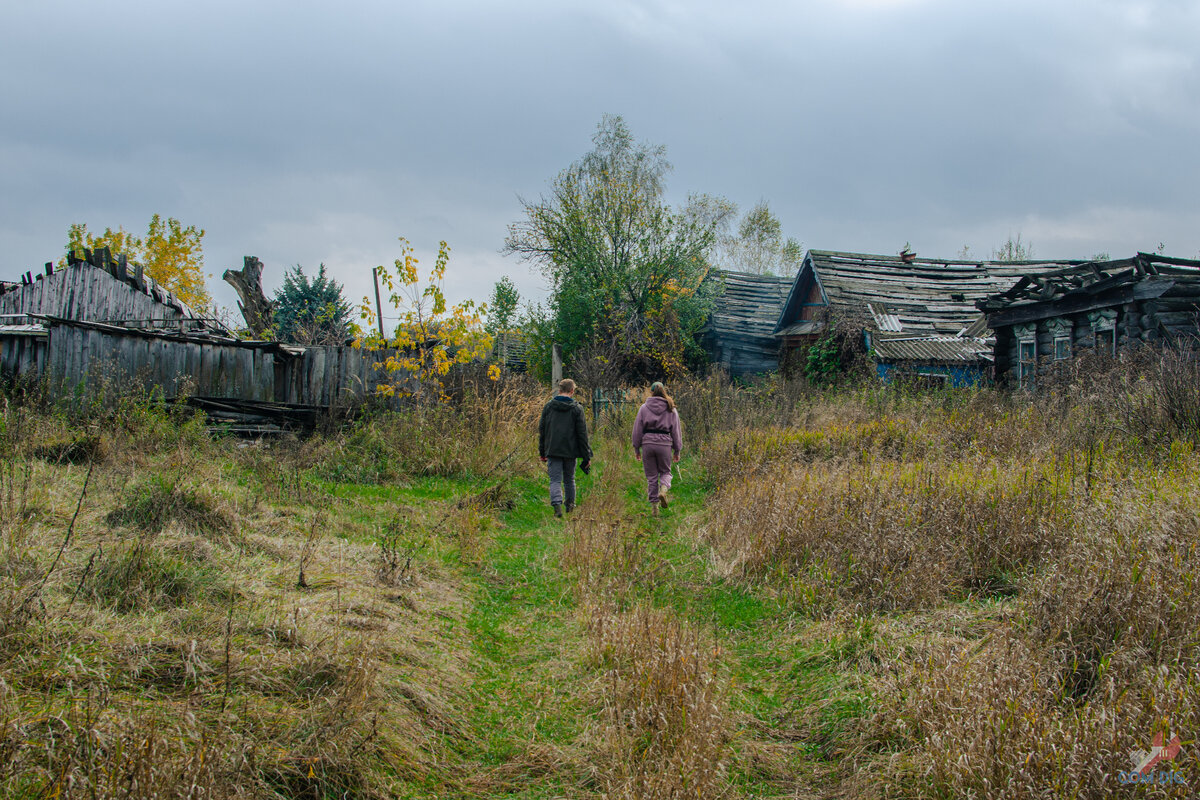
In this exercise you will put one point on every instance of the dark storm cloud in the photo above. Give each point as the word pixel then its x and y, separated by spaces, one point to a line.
pixel 303 133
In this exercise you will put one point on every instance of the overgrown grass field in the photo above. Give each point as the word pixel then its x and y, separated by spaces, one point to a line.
pixel 855 593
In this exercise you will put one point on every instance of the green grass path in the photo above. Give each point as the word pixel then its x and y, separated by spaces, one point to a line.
pixel 534 698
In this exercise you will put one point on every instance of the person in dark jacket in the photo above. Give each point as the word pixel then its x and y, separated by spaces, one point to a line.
pixel 657 441
pixel 563 438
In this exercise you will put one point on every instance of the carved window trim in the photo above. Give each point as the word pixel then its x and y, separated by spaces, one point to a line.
pixel 1026 354
pixel 1104 330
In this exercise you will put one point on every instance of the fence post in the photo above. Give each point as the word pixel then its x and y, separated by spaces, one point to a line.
pixel 556 364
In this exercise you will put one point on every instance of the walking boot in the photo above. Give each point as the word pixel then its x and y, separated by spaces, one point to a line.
pixel 558 512
pixel 570 507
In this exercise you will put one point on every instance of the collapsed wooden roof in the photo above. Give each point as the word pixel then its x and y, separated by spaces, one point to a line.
pixel 740 330
pixel 1088 284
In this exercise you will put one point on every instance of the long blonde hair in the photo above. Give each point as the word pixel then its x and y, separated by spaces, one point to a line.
pixel 658 390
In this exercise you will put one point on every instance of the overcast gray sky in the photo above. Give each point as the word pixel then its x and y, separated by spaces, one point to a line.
pixel 308 132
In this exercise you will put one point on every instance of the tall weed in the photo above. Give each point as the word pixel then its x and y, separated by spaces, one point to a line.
pixel 886 537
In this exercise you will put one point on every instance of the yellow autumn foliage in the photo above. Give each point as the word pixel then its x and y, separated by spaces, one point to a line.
pixel 170 253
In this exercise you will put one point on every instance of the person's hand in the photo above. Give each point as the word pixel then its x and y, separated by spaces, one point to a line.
pixel 676 457
pixel 543 458
pixel 637 454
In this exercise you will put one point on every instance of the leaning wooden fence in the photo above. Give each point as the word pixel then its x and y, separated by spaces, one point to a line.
pixel 92 357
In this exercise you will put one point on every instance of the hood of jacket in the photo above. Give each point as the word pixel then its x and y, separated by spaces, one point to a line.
pixel 562 403
pixel 657 413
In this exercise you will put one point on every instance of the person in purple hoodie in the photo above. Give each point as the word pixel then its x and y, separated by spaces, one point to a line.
pixel 657 440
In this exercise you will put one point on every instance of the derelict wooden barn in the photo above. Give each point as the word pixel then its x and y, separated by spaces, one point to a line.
pixel 100 324
pixel 100 290
pixel 1101 307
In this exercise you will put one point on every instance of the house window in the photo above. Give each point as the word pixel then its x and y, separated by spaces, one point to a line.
pixel 1028 366
pixel 1104 331
pixel 1060 333
pixel 931 380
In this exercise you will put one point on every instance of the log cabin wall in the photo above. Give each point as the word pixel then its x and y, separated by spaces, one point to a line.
pixel 1144 300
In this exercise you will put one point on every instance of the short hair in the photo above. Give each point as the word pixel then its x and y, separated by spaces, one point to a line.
pixel 566 386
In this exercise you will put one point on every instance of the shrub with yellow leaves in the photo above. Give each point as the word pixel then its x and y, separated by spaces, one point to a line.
pixel 431 336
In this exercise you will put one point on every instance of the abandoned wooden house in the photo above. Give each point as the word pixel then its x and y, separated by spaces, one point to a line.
pixel 916 316
pixel 99 324
pixel 740 332
pixel 1098 307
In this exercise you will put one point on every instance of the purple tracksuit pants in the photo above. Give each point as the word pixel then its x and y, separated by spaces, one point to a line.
pixel 656 463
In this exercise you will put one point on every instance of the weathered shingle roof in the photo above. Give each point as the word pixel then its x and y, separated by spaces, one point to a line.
pixel 750 304
pixel 927 296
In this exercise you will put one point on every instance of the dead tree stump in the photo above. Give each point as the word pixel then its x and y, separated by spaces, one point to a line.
pixel 258 311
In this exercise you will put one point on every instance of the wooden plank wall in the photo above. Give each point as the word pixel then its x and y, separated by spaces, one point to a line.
pixel 84 292
pixel 22 355
pixel 98 360
pixel 332 376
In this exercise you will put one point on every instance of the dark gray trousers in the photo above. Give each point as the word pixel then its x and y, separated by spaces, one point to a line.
pixel 562 480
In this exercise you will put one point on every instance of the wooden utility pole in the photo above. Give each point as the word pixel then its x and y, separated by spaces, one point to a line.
pixel 556 364
pixel 378 307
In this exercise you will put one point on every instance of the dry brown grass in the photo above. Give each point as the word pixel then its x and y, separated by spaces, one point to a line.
pixel 882 537
pixel 444 440
pixel 1014 583
pixel 667 728
pixel 1031 564
pixel 169 652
